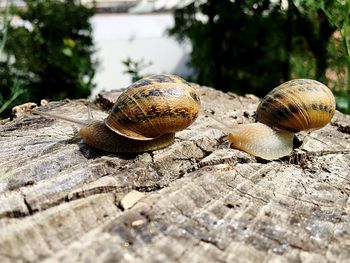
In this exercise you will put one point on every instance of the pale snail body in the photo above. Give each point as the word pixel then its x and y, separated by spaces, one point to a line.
pixel 294 106
pixel 145 116
pixel 260 140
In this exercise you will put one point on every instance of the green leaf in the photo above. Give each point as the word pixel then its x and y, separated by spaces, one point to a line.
pixel 67 51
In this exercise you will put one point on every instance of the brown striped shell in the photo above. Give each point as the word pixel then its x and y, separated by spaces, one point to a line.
pixel 154 106
pixel 297 105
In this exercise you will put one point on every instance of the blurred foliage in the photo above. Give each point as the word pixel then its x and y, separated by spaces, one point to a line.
pixel 15 91
pixel 237 45
pixel 252 46
pixel 47 52
pixel 134 68
pixel 338 13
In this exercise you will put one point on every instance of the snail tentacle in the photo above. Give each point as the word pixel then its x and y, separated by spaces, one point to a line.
pixel 61 117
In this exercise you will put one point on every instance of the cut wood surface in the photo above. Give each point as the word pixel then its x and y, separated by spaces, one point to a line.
pixel 195 201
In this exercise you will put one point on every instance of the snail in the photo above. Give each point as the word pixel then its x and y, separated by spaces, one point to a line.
pixel 144 118
pixel 294 106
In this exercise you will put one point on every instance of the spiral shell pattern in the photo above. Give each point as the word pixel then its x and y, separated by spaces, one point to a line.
pixel 297 105
pixel 154 106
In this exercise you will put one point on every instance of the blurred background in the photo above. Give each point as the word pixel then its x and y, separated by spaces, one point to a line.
pixel 56 49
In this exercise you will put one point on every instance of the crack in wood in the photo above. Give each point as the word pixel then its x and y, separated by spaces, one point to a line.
pixel 250 195
pixel 341 127
pixel 30 210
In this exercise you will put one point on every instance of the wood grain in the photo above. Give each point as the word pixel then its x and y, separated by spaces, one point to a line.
pixel 60 199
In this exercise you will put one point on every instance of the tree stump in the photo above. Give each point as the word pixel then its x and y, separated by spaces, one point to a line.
pixel 195 201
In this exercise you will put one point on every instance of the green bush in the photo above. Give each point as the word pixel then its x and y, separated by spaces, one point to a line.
pixel 237 45
pixel 252 46
pixel 49 55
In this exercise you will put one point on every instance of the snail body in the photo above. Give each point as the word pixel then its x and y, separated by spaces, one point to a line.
pixel 294 106
pixel 260 140
pixel 145 116
pixel 97 135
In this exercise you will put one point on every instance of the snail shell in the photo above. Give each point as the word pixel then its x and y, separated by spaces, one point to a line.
pixel 144 118
pixel 297 105
pixel 294 106
pixel 154 106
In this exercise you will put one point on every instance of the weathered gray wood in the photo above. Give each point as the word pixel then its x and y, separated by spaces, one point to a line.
pixel 62 201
